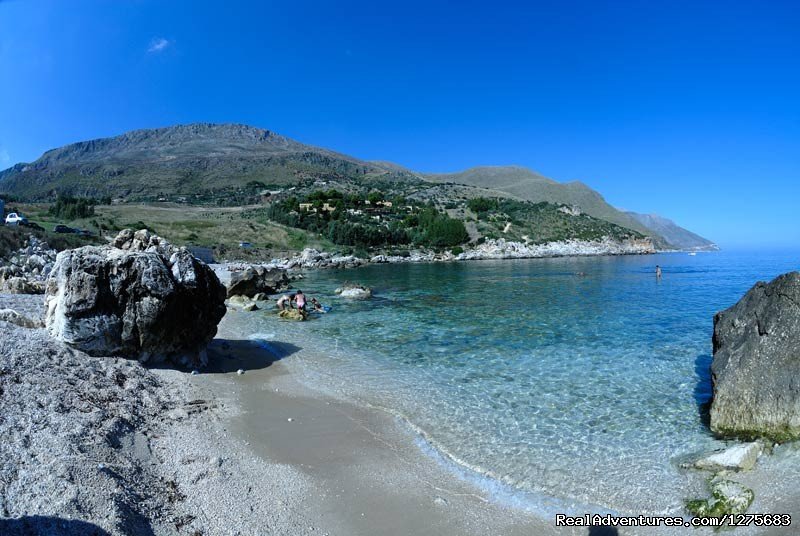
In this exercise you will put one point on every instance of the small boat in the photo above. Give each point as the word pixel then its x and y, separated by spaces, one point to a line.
pixel 692 253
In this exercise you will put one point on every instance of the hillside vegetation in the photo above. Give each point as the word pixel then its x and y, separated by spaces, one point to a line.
pixel 222 229
pixel 528 185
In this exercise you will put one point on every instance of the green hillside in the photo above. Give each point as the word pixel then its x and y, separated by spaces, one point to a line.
pixel 531 186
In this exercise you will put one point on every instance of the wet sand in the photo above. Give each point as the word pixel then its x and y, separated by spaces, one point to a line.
pixel 367 474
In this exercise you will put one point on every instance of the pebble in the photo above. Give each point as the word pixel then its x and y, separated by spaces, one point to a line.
pixel 290 419
pixel 240 372
pixel 195 372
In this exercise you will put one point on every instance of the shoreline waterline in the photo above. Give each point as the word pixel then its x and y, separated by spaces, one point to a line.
pixel 366 461
pixel 294 380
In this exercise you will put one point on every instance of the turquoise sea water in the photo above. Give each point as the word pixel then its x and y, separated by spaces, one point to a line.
pixel 579 379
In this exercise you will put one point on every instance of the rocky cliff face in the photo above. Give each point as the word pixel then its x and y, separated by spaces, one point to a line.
pixel 675 236
pixel 756 366
pixel 139 298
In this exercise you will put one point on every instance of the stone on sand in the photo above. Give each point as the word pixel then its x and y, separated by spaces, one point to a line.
pixel 13 317
pixel 741 457
pixel 146 300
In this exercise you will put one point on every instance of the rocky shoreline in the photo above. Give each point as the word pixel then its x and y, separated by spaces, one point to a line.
pixel 492 249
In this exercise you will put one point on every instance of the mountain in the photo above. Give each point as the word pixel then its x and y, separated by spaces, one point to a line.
pixel 531 186
pixel 231 163
pixel 675 235
pixel 181 159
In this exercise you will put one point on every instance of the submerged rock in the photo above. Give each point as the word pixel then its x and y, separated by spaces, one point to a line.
pixel 255 280
pixel 727 497
pixel 354 292
pixel 149 301
pixel 756 367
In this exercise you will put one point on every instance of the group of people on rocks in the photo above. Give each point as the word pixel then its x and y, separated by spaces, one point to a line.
pixel 298 300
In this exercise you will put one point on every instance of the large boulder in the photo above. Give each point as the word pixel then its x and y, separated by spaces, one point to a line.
pixel 257 279
pixel 756 366
pixel 149 301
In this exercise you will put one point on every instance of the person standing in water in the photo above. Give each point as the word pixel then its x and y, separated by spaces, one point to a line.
pixel 658 271
pixel 300 300
pixel 285 302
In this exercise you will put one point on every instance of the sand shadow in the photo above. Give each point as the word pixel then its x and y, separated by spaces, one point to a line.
pixel 603 531
pixel 230 355
pixel 702 389
pixel 49 525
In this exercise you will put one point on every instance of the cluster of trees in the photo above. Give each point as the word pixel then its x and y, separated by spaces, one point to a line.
pixel 434 229
pixel 424 227
pixel 73 208
pixel 482 204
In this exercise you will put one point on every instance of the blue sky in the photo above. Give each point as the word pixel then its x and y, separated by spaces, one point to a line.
pixel 687 109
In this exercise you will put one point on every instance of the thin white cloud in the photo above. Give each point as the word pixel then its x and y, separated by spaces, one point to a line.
pixel 158 44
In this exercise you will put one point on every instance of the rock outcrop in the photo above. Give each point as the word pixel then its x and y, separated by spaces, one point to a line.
pixel 25 271
pixel 756 366
pixel 255 280
pixel 292 314
pixel 146 300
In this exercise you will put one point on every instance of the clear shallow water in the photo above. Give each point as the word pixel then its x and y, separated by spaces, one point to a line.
pixel 578 387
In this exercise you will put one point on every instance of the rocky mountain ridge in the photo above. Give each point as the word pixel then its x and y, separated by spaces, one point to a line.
pixel 218 161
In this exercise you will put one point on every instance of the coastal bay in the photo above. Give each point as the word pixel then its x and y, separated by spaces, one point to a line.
pixel 317 433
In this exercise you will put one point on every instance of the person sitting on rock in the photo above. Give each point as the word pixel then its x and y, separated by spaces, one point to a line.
pixel 300 300
pixel 285 301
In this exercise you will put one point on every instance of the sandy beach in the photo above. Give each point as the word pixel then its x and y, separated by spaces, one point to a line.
pixel 176 453
pixel 362 471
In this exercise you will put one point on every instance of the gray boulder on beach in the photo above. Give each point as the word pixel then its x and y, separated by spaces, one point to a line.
pixel 756 366
pixel 147 300
pixel 257 280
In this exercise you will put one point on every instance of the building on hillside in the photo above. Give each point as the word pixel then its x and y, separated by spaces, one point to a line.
pixel 306 207
pixel 327 207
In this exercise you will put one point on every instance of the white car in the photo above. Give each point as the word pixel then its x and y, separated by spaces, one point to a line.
pixel 15 219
